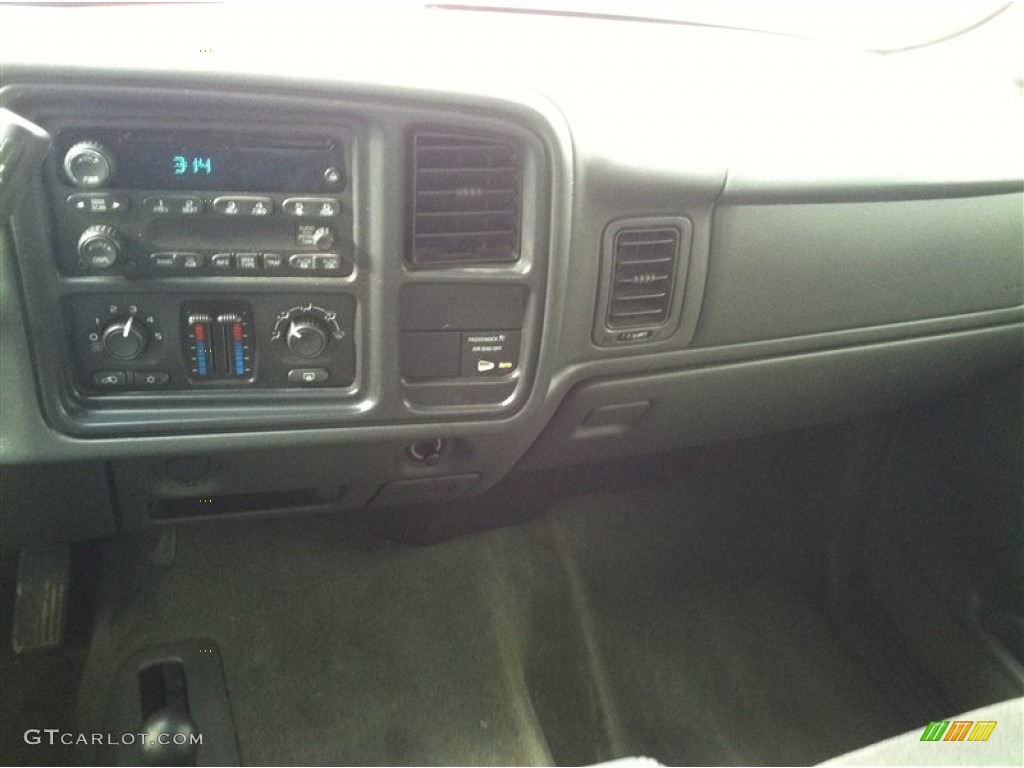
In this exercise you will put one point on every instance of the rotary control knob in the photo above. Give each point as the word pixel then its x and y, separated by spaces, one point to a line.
pixel 89 165
pixel 323 238
pixel 307 336
pixel 125 338
pixel 100 246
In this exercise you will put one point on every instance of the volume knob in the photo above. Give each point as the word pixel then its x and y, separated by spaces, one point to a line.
pixel 89 164
pixel 100 246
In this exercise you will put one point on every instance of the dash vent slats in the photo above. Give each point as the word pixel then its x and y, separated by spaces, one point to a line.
pixel 643 275
pixel 466 200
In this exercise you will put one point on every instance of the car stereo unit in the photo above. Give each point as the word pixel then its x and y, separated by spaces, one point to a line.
pixel 152 203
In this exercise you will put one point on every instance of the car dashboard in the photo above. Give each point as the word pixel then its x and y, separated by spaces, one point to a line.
pixel 294 258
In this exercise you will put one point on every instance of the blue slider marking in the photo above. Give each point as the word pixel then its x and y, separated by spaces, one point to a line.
pixel 201 358
pixel 239 360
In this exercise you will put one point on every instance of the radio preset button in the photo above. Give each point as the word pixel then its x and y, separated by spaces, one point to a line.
pixel 158 205
pixel 188 206
pixel 222 261
pixel 313 207
pixel 179 205
pixel 243 206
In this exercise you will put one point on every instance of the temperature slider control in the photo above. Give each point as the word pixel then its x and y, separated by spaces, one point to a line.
pixel 219 343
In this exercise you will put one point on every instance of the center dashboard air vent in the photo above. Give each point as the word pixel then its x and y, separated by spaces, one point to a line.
pixel 644 269
pixel 465 199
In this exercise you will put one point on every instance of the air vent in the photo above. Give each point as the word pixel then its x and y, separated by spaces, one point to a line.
pixel 643 274
pixel 466 200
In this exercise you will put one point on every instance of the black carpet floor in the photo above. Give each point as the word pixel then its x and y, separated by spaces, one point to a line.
pixel 674 622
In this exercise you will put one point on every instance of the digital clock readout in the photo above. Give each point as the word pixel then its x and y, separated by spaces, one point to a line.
pixel 184 165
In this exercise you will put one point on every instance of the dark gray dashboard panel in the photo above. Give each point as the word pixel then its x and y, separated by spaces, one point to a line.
pixel 633 415
pixel 791 270
pixel 737 133
pixel 376 132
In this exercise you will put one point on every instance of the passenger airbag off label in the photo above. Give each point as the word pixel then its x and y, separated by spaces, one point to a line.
pixel 490 353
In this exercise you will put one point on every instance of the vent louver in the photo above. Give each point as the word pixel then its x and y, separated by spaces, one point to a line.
pixel 466 201
pixel 642 278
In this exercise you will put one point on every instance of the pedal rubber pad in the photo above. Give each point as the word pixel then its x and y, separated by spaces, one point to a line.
pixel 41 598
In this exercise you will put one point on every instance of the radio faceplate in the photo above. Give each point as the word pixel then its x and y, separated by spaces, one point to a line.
pixel 151 203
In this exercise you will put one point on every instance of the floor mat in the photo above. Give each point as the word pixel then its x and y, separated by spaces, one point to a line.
pixel 670 622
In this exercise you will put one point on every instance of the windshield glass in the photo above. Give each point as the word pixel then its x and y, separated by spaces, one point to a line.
pixel 889 26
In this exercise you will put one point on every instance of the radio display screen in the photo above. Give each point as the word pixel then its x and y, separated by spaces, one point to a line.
pixel 196 160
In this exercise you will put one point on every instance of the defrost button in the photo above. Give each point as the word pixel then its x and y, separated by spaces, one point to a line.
pixel 308 375
pixel 109 379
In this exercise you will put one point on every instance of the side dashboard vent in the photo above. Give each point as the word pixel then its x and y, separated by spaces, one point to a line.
pixel 465 200
pixel 644 267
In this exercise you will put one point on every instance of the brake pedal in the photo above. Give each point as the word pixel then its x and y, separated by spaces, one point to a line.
pixel 41 598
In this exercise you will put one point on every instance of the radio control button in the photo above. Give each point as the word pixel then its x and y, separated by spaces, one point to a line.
pixel 312 235
pixel 158 205
pixel 243 206
pixel 247 262
pixel 163 260
pixel 314 207
pixel 220 261
pixel 228 206
pixel 191 260
pixel 333 176
pixel 188 206
pixel 273 261
pixel 165 205
pixel 333 263
pixel 303 261
pixel 100 246
pixel 98 202
pixel 89 164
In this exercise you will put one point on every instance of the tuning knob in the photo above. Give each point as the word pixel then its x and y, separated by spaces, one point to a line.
pixel 89 165
pixel 100 246
pixel 307 336
pixel 125 338
pixel 323 238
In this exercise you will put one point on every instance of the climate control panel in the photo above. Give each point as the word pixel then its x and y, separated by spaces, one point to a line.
pixel 156 342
